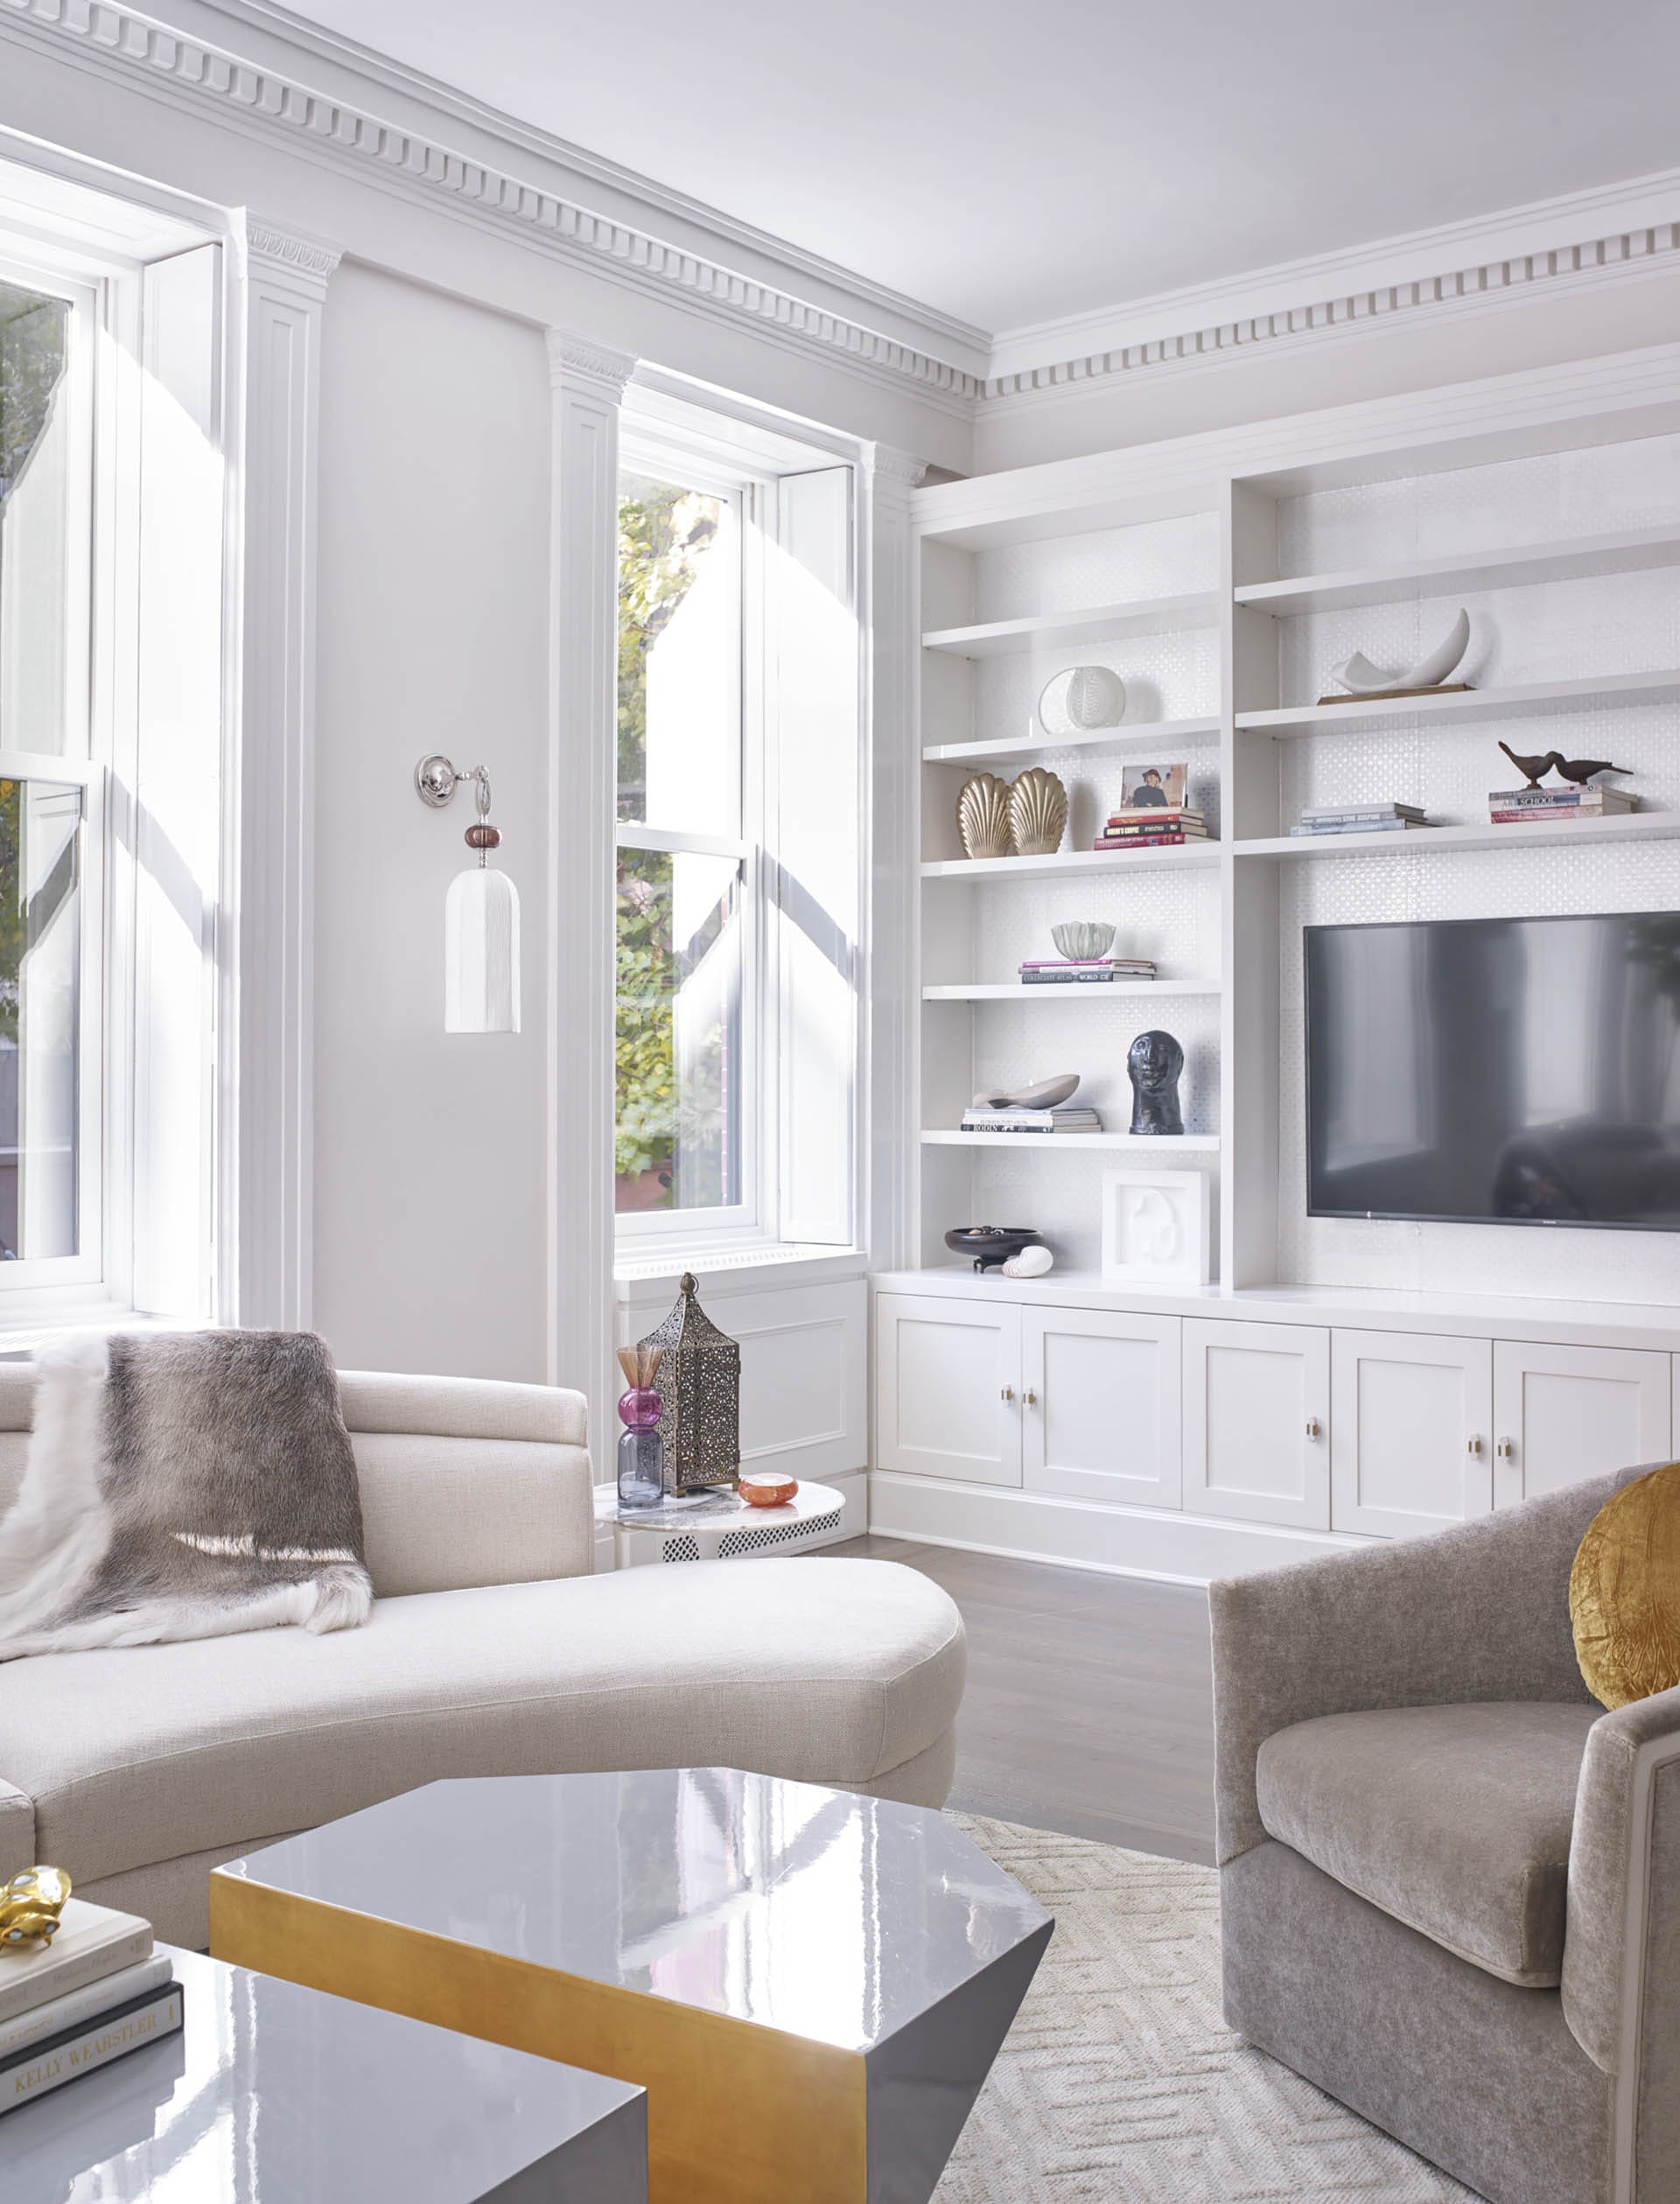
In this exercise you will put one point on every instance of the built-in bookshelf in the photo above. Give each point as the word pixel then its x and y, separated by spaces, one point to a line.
pixel 1223 579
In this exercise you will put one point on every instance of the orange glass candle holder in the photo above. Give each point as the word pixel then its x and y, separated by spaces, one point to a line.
pixel 768 1491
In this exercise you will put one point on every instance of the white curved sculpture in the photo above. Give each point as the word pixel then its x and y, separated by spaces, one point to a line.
pixel 1358 673
pixel 1032 1262
pixel 1085 697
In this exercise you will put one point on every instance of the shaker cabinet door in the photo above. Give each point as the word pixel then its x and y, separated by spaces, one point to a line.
pixel 1100 1405
pixel 948 1388
pixel 1564 1413
pixel 1257 1411
pixel 1411 1449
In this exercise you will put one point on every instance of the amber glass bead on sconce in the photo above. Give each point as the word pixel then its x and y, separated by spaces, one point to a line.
pixel 483 836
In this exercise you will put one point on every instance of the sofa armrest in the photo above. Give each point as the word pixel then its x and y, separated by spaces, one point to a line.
pixel 1479 1611
pixel 16 1831
pixel 1621 1949
pixel 469 1481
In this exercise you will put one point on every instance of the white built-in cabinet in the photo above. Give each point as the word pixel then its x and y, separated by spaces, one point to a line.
pixel 1411 1446
pixel 1260 1440
pixel 1101 1405
pixel 947 1389
pixel 1562 1413
pixel 1257 1411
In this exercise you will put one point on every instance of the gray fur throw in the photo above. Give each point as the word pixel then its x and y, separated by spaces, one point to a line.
pixel 182 1485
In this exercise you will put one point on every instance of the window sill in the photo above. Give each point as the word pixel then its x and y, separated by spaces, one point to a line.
pixel 726 1269
pixel 25 1332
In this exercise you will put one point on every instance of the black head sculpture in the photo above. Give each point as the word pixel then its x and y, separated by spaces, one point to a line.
pixel 1153 1065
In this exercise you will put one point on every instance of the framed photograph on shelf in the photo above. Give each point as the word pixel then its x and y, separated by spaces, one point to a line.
pixel 1156 1228
pixel 1153 788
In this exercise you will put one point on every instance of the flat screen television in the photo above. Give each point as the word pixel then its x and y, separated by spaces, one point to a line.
pixel 1501 1071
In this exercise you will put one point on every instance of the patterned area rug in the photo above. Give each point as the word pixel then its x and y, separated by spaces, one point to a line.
pixel 1120 2083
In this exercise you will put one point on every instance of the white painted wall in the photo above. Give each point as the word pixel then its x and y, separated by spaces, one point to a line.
pixel 434 551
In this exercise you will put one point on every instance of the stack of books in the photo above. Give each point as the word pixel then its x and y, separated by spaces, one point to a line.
pixel 1506 807
pixel 1360 818
pixel 1065 1117
pixel 96 1992
pixel 1064 971
pixel 1152 827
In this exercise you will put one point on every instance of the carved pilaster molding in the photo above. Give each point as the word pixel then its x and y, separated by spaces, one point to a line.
pixel 267 1002
pixel 588 381
pixel 901 469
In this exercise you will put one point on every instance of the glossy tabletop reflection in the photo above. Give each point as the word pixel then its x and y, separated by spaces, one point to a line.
pixel 275 2095
pixel 817 1912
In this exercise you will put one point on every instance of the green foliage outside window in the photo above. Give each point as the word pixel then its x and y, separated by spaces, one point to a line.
pixel 663 531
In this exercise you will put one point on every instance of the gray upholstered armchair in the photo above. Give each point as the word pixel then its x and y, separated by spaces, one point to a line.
pixel 1450 1881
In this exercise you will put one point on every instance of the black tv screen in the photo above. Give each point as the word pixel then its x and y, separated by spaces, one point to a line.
pixel 1509 1071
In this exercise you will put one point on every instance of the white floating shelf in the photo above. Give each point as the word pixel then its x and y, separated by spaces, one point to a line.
pixel 1627 826
pixel 1068 862
pixel 1180 1144
pixel 1567 559
pixel 1064 990
pixel 1525 700
pixel 1159 734
pixel 1046 631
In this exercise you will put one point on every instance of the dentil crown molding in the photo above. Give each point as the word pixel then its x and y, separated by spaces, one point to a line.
pixel 1614 234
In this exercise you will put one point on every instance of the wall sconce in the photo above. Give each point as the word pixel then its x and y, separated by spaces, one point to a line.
pixel 480 916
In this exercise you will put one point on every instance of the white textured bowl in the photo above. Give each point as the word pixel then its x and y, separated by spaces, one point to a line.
pixel 1082 939
pixel 1081 699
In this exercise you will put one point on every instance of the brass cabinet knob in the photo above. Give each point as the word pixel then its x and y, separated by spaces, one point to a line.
pixel 1031 1398
pixel 1506 1449
pixel 1472 1445
pixel 1009 1392
pixel 1314 1428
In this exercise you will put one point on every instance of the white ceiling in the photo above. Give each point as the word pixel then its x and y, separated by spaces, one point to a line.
pixel 1014 161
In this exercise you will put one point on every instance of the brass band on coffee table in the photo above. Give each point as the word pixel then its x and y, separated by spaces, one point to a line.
pixel 810 1985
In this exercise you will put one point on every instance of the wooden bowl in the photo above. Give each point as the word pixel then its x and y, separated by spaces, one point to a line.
pixel 768 1490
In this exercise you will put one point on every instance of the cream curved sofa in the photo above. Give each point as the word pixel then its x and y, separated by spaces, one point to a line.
pixel 493 1650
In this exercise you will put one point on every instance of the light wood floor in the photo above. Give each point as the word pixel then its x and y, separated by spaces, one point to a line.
pixel 1089 1702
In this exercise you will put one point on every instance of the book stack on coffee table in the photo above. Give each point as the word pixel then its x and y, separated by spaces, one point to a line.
pixel 97 1991
pixel 1075 972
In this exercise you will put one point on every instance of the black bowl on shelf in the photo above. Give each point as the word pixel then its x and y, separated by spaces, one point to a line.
pixel 990 1244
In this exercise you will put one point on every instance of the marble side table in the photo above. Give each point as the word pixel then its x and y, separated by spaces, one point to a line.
pixel 811 1985
pixel 720 1527
pixel 276 2095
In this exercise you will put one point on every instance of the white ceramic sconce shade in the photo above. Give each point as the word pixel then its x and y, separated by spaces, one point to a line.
pixel 481 953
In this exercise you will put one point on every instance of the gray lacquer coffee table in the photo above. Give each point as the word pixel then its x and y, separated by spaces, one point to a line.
pixel 275 2095
pixel 810 1985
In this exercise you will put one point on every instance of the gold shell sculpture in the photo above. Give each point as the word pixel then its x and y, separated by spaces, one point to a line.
pixel 983 810
pixel 30 1906
pixel 1037 812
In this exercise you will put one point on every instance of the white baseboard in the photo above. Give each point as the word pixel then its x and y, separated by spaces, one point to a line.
pixel 1159 1544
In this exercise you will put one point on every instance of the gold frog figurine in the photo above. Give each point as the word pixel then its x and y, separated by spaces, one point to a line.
pixel 30 1906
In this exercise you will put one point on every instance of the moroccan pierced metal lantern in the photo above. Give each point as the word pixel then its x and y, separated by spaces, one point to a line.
pixel 700 1387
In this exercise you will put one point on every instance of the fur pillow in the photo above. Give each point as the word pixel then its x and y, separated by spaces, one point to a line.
pixel 182 1485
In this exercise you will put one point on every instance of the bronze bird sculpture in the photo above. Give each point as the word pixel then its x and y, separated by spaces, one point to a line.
pixel 1534 767
pixel 1581 770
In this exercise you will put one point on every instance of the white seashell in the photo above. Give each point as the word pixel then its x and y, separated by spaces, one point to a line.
pixel 1358 673
pixel 1037 812
pixel 1085 697
pixel 1045 1095
pixel 1032 1262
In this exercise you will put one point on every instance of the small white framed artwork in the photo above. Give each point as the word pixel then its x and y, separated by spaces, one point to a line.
pixel 1157 1228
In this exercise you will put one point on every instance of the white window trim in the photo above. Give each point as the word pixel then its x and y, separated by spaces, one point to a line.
pixel 663 456
pixel 696 428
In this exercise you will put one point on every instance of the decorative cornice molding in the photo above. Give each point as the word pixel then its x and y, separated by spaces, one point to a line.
pixel 578 362
pixel 121 40
pixel 1488 284
pixel 1618 233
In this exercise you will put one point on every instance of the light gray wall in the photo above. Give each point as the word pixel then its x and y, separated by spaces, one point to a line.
pixel 428 1159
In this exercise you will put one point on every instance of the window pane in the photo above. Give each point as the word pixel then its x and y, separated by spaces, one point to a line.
pixel 40 959
pixel 679 658
pixel 679 1031
pixel 35 597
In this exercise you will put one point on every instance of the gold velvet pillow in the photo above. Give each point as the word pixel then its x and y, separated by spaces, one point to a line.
pixel 1624 1592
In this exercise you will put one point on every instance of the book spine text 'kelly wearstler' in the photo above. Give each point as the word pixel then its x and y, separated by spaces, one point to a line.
pixel 46 2066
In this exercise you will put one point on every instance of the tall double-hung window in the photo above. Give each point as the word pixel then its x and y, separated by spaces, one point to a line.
pixel 739 804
